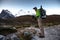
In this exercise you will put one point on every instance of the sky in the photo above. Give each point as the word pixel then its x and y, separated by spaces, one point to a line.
pixel 20 7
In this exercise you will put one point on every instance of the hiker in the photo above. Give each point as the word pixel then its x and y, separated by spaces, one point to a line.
pixel 40 14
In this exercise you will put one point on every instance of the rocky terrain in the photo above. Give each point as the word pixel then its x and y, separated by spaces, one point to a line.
pixel 51 33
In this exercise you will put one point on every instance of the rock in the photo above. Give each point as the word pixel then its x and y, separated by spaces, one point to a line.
pixel 51 33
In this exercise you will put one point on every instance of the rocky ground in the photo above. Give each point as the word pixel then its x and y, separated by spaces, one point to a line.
pixel 51 33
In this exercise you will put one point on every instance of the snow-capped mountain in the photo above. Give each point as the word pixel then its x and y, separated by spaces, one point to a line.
pixel 5 14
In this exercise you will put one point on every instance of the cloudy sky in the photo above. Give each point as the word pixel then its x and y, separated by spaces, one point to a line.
pixel 15 6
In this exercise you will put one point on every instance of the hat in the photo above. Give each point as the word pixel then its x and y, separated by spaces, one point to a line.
pixel 35 8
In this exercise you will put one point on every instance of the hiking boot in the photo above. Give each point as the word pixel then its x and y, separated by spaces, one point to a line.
pixel 42 36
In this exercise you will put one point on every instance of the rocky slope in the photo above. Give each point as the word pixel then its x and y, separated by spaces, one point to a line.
pixel 5 14
pixel 51 33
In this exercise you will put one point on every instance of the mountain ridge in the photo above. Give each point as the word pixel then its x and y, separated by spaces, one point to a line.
pixel 5 14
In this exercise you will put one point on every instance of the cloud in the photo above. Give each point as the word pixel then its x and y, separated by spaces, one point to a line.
pixel 52 11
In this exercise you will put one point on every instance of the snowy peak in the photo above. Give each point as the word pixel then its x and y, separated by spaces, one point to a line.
pixel 5 14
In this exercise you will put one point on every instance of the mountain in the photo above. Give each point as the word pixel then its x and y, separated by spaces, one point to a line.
pixel 30 19
pixel 5 14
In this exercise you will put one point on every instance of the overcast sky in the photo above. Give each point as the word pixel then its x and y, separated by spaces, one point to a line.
pixel 51 6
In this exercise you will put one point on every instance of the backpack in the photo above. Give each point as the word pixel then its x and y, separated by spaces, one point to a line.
pixel 43 13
